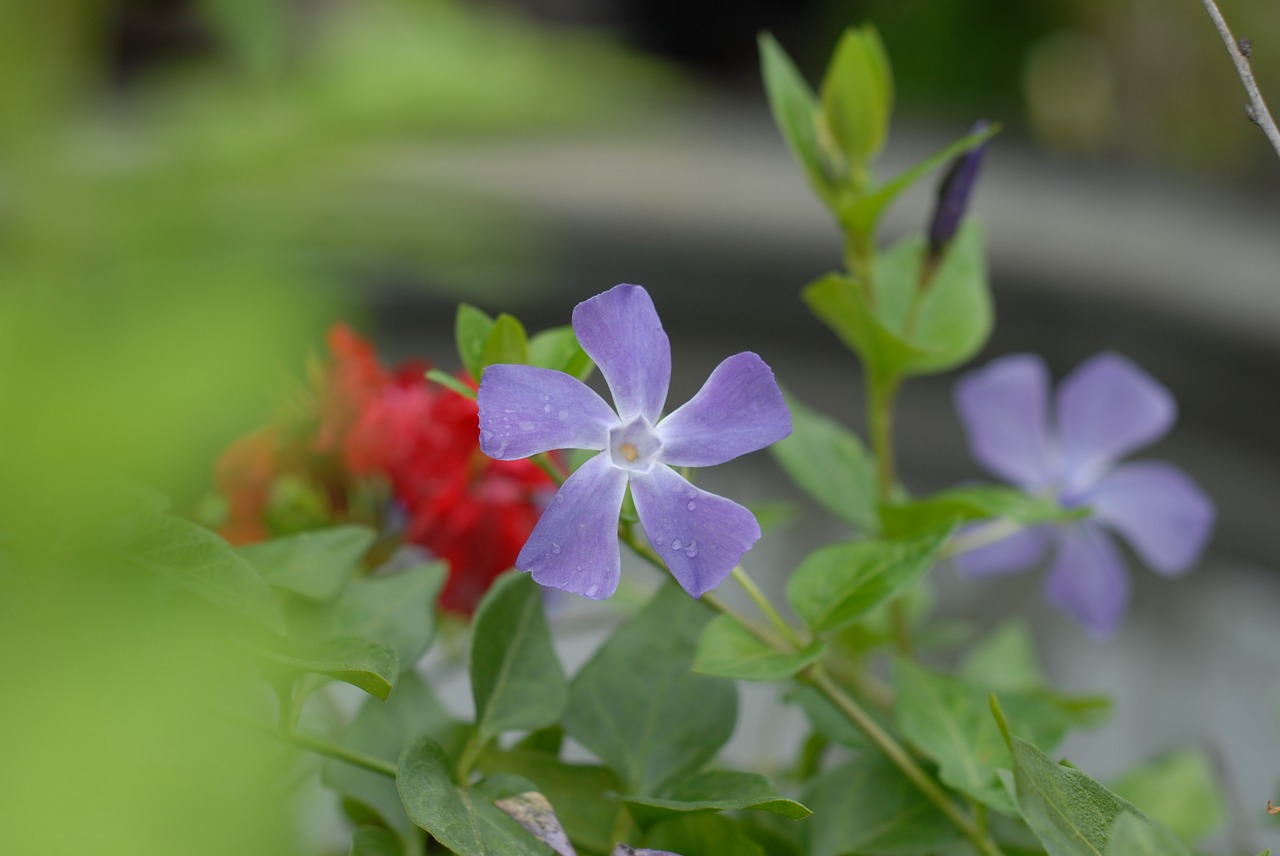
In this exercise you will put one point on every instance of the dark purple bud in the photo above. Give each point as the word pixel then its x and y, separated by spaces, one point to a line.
pixel 953 194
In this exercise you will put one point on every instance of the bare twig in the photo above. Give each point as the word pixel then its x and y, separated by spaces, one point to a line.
pixel 1240 51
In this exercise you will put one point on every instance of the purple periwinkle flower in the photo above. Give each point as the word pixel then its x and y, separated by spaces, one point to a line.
pixel 1105 409
pixel 701 536
pixel 953 194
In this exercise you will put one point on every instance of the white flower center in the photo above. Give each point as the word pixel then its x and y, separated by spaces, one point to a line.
pixel 634 446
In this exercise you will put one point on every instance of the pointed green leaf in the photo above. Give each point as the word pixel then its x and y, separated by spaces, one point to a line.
pixel 558 349
pixel 715 790
pixel 868 806
pixel 971 504
pixel 371 666
pixel 192 557
pixel 728 649
pixel 795 112
pixel 1069 812
pixel 637 705
pixel 396 609
pixel 471 331
pixel 702 833
pixel 375 841
pixel 837 585
pixel 857 94
pixel 1177 790
pixel 839 302
pixel 315 564
pixel 578 792
pixel 507 343
pixel 830 463
pixel 1004 660
pixel 465 820
pixel 516 678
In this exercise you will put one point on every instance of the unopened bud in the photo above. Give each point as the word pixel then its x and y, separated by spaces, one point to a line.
pixel 954 193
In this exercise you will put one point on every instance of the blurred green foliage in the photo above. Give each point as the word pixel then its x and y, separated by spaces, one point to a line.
pixel 164 247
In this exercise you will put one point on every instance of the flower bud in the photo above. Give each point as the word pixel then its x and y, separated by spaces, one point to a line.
pixel 953 195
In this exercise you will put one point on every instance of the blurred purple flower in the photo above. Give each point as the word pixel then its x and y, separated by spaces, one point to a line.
pixel 954 193
pixel 1105 409
pixel 701 536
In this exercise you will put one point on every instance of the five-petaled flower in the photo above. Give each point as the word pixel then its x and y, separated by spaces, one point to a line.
pixel 1105 409
pixel 701 536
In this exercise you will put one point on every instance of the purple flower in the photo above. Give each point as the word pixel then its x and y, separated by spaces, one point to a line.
pixel 954 193
pixel 700 536
pixel 1105 409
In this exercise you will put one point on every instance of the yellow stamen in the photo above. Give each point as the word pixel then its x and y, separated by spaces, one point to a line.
pixel 629 451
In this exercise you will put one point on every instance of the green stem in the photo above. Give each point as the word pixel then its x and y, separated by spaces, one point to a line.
pixel 981 536
pixel 753 591
pixel 881 395
pixel 901 759
pixel 467 759
pixel 543 462
pixel 323 747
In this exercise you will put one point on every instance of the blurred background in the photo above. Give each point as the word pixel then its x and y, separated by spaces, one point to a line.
pixel 192 190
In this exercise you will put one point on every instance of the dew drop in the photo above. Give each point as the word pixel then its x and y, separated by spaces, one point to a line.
pixel 692 505
pixel 675 544
pixel 591 590
pixel 579 567
pixel 659 541
pixel 486 436
pixel 555 548
pixel 527 426
pixel 546 408
pixel 546 398
pixel 502 450
pixel 692 549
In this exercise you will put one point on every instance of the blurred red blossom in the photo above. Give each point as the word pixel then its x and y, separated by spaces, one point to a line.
pixel 389 449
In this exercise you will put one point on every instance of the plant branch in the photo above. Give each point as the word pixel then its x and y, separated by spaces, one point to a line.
pixel 322 747
pixel 901 759
pixel 1256 108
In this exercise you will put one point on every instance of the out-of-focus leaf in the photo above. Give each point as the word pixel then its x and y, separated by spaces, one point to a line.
pixel 857 95
pixel 375 841
pixel 315 564
pixel 558 349
pixel 507 343
pixel 471 331
pixel 701 833
pixel 1177 790
pixel 728 649
pixel 395 609
pixel 795 112
pixel 371 666
pixel 715 790
pixel 830 463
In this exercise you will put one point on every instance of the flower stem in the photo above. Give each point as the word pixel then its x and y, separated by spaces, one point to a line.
pixel 981 536
pixel 881 395
pixel 467 759
pixel 753 591
pixel 901 759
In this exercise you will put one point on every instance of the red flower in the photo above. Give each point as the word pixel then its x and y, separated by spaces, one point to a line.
pixel 371 426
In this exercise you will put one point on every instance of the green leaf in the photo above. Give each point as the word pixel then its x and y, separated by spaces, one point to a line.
pixel 192 557
pixel 706 834
pixel 1177 790
pixel 507 343
pixel 315 564
pixel 382 730
pixel 375 841
pixel 637 705
pixel 865 211
pixel 868 806
pixel 1004 660
pixel 857 94
pixel 558 349
pixel 1069 812
pixel 715 790
pixel 470 332
pixel 971 504
pixel 826 719
pixel 576 790
pixel 795 112
pixel 516 678
pixel 837 301
pixel 728 649
pixel 835 586
pixel 950 721
pixel 448 381
pixel 1133 836
pixel 465 820
pixel 395 609
pixel 371 666
pixel 830 463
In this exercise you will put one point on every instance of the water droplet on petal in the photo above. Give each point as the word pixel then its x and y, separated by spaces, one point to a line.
pixel 527 426
pixel 692 505
pixel 546 408
pixel 564 414
pixel 555 548
pixel 675 544
pixel 546 398
pixel 592 591
pixel 579 567
pixel 692 549
pixel 502 450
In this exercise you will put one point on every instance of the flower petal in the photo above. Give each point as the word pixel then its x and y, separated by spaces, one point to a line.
pixel 1107 408
pixel 526 410
pixel 1159 510
pixel 1088 579
pixel 1011 555
pixel 699 535
pixel 738 410
pixel 620 330
pixel 1004 408
pixel 574 547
